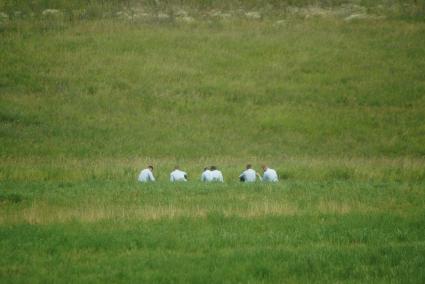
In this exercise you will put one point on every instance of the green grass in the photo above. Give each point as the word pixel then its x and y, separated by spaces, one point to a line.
pixel 336 106
pixel 292 232
pixel 310 88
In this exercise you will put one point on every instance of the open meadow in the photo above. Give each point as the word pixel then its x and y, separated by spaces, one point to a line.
pixel 329 93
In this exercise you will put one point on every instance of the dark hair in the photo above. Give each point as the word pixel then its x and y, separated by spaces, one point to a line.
pixel 151 167
pixel 213 168
pixel 248 166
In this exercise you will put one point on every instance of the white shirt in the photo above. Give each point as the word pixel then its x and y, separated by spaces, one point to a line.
pixel 178 175
pixel 216 175
pixel 146 175
pixel 270 175
pixel 249 175
pixel 206 176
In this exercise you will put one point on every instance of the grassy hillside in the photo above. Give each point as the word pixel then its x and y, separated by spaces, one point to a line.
pixel 331 95
pixel 213 91
pixel 315 88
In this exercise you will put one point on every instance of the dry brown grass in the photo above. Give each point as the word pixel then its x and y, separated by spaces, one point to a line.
pixel 40 212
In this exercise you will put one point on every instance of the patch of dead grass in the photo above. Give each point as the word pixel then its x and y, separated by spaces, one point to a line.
pixel 40 212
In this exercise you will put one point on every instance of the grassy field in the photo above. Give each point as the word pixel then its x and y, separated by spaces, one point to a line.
pixel 297 231
pixel 334 101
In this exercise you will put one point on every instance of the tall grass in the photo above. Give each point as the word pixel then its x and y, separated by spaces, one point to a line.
pixel 293 231
pixel 360 170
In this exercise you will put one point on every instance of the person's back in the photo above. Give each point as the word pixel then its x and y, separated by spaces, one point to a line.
pixel 206 175
pixel 178 175
pixel 216 175
pixel 270 175
pixel 146 175
pixel 249 175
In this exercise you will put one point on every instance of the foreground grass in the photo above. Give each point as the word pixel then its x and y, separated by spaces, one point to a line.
pixel 293 231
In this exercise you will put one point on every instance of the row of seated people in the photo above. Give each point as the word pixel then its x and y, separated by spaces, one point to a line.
pixel 212 174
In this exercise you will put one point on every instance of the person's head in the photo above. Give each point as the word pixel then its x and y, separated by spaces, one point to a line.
pixel 213 168
pixel 150 167
pixel 248 166
pixel 264 167
pixel 176 167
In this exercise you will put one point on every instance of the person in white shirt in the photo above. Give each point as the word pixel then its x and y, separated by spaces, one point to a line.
pixel 146 175
pixel 178 175
pixel 206 175
pixel 216 174
pixel 269 174
pixel 249 175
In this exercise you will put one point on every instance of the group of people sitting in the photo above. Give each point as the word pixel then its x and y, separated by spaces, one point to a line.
pixel 212 174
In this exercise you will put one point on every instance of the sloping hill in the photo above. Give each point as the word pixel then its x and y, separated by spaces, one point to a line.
pixel 225 89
